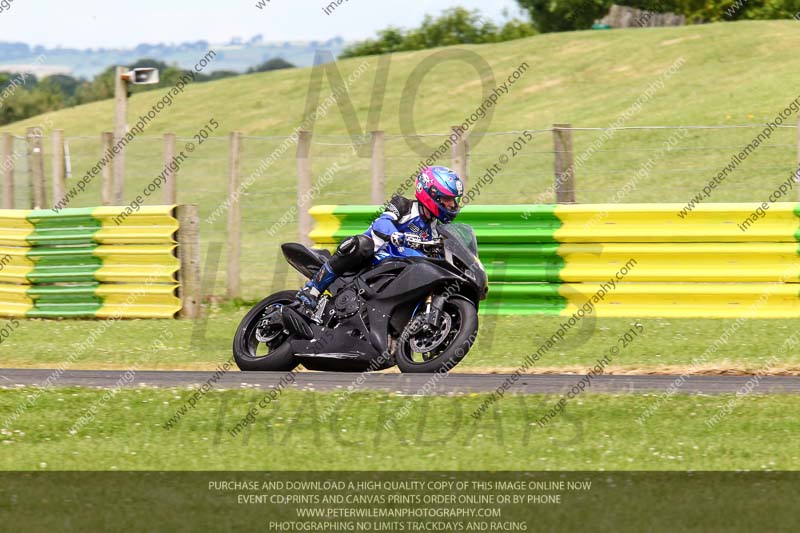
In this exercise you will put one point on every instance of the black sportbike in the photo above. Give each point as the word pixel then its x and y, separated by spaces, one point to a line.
pixel 419 313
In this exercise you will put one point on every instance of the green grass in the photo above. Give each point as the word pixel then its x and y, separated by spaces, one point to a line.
pixel 733 73
pixel 597 432
pixel 503 343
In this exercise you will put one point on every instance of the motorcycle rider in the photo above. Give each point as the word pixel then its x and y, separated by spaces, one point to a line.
pixel 405 223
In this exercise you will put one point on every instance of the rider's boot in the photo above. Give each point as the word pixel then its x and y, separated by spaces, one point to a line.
pixel 308 296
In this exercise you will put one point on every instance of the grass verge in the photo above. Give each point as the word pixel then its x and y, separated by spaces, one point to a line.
pixel 124 429
pixel 503 344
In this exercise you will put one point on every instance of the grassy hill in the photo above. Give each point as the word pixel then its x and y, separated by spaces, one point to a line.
pixel 731 73
pixel 732 70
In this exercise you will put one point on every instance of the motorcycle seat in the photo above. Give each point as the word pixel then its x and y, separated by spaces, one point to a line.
pixel 305 259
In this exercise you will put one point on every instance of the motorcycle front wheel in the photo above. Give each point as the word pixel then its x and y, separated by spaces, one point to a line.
pixel 251 354
pixel 446 345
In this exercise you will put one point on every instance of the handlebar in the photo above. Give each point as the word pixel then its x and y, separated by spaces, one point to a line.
pixel 433 245
pixel 430 246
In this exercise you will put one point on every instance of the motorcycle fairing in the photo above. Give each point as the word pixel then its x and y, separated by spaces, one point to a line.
pixel 388 294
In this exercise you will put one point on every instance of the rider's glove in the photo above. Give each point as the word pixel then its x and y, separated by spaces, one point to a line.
pixel 413 241
pixel 409 240
pixel 398 238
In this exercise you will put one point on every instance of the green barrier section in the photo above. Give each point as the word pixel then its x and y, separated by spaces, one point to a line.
pixel 524 298
pixel 502 224
pixel 521 262
pixel 83 263
pixel 73 263
pixel 69 226
pixel 65 301
pixel 514 245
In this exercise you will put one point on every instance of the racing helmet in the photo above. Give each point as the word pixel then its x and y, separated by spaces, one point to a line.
pixel 435 183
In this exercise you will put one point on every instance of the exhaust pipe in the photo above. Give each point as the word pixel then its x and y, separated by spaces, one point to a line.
pixel 294 323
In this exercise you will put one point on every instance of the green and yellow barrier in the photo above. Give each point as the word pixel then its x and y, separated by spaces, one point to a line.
pixel 554 258
pixel 81 263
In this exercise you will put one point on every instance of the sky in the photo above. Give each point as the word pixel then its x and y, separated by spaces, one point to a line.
pixel 125 23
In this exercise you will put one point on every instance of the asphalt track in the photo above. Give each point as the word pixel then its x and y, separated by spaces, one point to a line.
pixel 399 383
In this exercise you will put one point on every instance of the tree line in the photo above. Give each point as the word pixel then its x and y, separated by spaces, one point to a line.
pixel 570 15
pixel 462 26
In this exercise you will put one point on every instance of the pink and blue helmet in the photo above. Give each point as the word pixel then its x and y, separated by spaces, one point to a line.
pixel 433 183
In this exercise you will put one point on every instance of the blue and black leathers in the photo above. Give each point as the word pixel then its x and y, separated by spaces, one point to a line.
pixel 401 216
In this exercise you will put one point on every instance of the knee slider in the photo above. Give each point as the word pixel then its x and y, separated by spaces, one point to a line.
pixel 352 253
pixel 347 246
pixel 366 247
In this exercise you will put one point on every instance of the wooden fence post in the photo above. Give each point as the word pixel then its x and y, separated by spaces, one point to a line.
pixel 170 178
pixel 120 125
pixel 564 167
pixel 460 155
pixel 189 287
pixel 107 192
pixel 234 218
pixel 797 168
pixel 8 171
pixel 36 168
pixel 378 167
pixel 59 169
pixel 304 186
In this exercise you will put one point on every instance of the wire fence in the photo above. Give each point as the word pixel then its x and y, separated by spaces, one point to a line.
pixel 631 164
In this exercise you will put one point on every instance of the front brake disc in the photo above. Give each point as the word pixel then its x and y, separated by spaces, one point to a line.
pixel 428 341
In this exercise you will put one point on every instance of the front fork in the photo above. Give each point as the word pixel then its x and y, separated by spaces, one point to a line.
pixel 435 304
pixel 429 319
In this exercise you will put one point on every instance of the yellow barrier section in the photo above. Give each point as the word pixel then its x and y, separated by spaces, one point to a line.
pixel 608 223
pixel 686 262
pixel 14 300
pixel 137 263
pixel 685 300
pixel 704 264
pixel 137 300
pixel 149 225
pixel 14 227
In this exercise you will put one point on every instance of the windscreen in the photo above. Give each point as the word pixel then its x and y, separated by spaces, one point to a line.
pixel 462 232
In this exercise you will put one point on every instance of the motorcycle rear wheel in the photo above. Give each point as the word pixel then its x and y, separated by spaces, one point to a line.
pixel 278 356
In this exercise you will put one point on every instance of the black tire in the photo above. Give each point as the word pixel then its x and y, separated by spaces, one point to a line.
pixel 245 344
pixel 457 348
